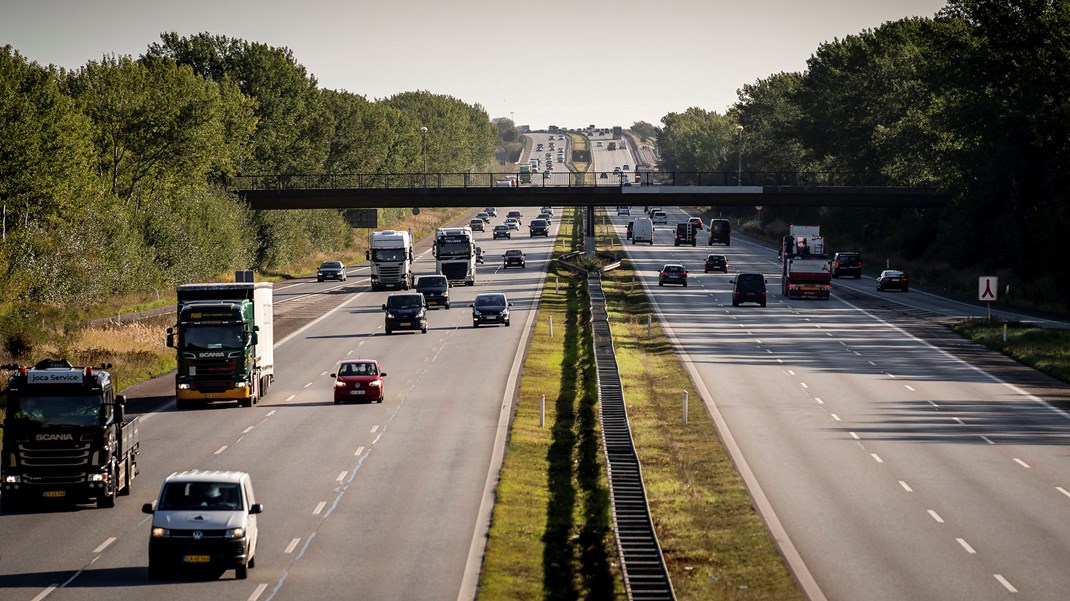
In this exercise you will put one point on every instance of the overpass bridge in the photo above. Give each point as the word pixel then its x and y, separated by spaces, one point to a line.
pixel 590 189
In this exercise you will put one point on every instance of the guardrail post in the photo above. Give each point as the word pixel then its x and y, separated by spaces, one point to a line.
pixel 648 320
pixel 1004 332
pixel 685 407
pixel 542 411
pixel 551 327
pixel 557 280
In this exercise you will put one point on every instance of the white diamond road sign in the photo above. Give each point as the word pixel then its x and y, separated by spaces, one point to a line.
pixel 987 288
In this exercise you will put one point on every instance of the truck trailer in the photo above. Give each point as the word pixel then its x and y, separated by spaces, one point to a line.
pixel 225 343
pixel 391 256
pixel 66 437
pixel 807 272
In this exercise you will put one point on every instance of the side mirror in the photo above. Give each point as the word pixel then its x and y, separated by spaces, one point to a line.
pixel 384 306
pixel 170 338
pixel 367 255
pixel 510 303
pixel 732 281
pixel 120 408
pixel 334 375
pixel 147 508
pixel 382 375
pixel 256 508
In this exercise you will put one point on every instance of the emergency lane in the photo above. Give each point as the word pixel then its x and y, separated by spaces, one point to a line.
pixel 887 468
pixel 357 497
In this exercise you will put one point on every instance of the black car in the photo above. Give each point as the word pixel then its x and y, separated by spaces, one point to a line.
pixel 892 278
pixel 847 263
pixel 539 227
pixel 490 307
pixel 716 263
pixel 631 225
pixel 331 270
pixel 673 274
pixel 720 232
pixel 748 288
pixel 480 255
pixel 436 290
pixel 514 258
pixel 405 311
pixel 502 231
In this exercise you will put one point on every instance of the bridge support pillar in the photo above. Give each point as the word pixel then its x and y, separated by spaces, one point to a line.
pixel 588 227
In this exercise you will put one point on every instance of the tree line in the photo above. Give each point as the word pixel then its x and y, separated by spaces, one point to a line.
pixel 110 173
pixel 974 101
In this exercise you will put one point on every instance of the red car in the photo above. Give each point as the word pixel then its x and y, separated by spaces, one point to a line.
pixel 359 380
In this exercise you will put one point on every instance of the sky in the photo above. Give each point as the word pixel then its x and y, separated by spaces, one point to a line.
pixel 569 63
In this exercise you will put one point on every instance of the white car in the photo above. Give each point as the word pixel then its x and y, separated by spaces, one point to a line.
pixel 203 519
pixel 660 217
pixel 513 223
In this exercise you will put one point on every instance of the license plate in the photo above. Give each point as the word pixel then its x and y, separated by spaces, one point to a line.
pixel 356 392
pixel 406 324
pixel 54 493
pixel 197 558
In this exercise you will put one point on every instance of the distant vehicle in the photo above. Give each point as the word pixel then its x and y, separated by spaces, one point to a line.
pixel 628 230
pixel 514 257
pixel 405 311
pixel 512 223
pixel 436 290
pixel 547 217
pixel 625 167
pixel 611 146
pixel 476 225
pixel 893 278
pixel 539 227
pixel 525 174
pixel 716 263
pixel 560 137
pixel 673 274
pixel 748 288
pixel 505 183
pixel 684 234
pixel 331 270
pixel 391 256
pixel 624 211
pixel 490 307
pixel 847 263
pixel 806 276
pixel 599 143
pixel 547 209
pixel 502 231
pixel 695 221
pixel 643 231
pixel 616 170
pixel 483 216
pixel 359 380
pixel 720 232
pixel 493 212
pixel 660 217
pixel 651 210
pixel 479 254
pixel 203 520
pixel 454 252
pixel 516 215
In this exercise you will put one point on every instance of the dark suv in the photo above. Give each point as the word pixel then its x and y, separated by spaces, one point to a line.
pixel 405 311
pixel 436 290
pixel 673 274
pixel 748 288
pixel 847 263
pixel 331 270
pixel 490 307
pixel 720 232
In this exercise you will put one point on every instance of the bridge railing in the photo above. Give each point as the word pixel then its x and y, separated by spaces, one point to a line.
pixel 562 178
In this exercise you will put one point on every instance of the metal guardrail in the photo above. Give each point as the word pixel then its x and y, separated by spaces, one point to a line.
pixel 642 562
pixel 561 178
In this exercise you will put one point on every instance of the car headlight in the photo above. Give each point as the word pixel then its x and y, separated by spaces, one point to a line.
pixel 375 383
pixel 339 384
pixel 97 477
pixel 183 386
pixel 12 479
pixel 390 316
pixel 241 385
pixel 158 532
pixel 235 533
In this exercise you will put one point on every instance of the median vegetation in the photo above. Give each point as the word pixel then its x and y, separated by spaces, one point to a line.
pixel 551 534
pixel 1046 350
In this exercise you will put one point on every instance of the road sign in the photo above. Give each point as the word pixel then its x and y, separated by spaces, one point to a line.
pixel 987 288
pixel 366 218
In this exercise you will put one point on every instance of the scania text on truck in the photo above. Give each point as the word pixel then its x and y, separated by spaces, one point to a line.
pixel 455 255
pixel 390 253
pixel 66 437
pixel 224 339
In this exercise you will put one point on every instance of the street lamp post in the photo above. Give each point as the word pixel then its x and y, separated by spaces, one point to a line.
pixel 739 163
pixel 423 132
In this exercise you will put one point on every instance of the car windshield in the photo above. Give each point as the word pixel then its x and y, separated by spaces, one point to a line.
pixel 358 369
pixel 331 265
pixel 431 282
pixel 750 281
pixel 58 410
pixel 490 300
pixel 388 254
pixel 213 337
pixel 408 301
pixel 501 227
pixel 893 274
pixel 200 496
pixel 454 249
pixel 513 253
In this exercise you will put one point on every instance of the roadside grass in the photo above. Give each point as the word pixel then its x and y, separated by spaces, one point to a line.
pixel 551 534
pixel 1046 350
pixel 715 544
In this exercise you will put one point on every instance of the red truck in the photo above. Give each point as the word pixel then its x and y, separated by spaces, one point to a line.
pixel 807 276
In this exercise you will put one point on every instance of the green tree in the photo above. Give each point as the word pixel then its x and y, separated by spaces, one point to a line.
pixel 697 140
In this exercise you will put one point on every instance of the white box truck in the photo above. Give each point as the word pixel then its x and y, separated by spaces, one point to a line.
pixel 391 259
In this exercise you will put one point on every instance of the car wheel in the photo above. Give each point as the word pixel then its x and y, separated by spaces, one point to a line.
pixel 858 277
pixel 389 331
pixel 156 571
pixel 337 402
pixel 906 289
pixel 763 303
pixel 241 572
pixel 661 283
pixel 507 323
pixel 685 284
pixel 447 306
pixel 735 304
pixel 475 324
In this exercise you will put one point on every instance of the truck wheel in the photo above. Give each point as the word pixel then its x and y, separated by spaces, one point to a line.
pixel 9 503
pixel 107 501
pixel 125 490
pixel 241 572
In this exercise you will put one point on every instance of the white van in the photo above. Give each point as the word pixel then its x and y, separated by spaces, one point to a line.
pixel 643 231
pixel 203 520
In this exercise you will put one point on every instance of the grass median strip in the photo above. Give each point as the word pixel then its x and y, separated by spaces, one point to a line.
pixel 551 535
pixel 1046 350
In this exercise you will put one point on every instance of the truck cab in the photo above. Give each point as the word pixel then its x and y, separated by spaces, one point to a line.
pixel 66 438
pixel 391 256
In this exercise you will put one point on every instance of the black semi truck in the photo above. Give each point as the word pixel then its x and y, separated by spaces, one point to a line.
pixel 66 438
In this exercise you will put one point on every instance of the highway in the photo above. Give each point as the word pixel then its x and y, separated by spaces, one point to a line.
pixel 377 501
pixel 886 467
